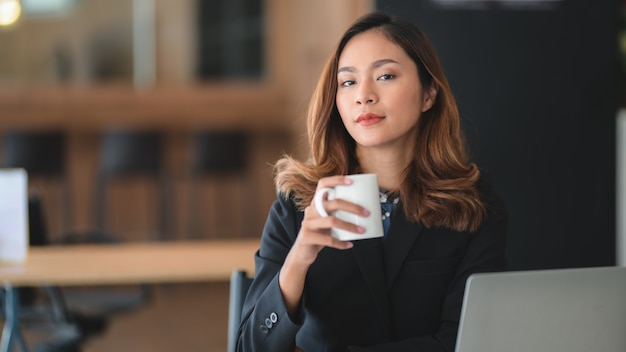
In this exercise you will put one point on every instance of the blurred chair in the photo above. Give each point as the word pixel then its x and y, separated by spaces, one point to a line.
pixel 220 157
pixel 43 312
pixel 239 285
pixel 43 156
pixel 48 307
pixel 126 154
pixel 48 330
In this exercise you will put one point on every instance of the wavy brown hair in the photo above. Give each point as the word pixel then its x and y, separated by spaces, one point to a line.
pixel 439 187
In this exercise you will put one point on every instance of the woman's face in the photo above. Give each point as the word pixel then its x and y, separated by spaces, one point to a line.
pixel 379 94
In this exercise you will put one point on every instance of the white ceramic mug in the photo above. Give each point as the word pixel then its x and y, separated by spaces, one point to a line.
pixel 364 192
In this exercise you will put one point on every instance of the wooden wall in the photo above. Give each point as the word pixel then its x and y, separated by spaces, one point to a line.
pixel 300 38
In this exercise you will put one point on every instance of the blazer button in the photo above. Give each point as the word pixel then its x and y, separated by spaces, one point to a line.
pixel 273 317
pixel 264 329
pixel 268 323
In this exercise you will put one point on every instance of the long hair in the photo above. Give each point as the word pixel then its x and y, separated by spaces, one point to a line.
pixel 439 185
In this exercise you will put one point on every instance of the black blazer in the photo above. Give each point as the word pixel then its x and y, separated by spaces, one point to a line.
pixel 403 294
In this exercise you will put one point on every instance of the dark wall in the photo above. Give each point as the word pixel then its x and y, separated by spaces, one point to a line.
pixel 537 90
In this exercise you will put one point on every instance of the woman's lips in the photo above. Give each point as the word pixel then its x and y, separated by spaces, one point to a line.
pixel 369 119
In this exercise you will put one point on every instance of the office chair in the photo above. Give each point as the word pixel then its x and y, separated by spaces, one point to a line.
pixel 123 154
pixel 126 154
pixel 43 312
pixel 221 157
pixel 42 155
pixel 239 285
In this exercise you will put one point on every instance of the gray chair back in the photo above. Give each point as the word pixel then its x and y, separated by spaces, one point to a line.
pixel 239 285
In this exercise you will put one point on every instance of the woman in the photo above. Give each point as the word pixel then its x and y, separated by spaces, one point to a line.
pixel 383 106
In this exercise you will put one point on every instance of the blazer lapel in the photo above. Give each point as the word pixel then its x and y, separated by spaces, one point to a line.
pixel 398 243
pixel 369 257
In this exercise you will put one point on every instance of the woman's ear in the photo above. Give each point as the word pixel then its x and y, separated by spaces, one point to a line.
pixel 430 95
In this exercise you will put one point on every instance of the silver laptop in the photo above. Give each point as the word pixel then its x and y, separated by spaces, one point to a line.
pixel 572 310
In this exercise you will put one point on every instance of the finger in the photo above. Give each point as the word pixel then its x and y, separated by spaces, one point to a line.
pixel 321 238
pixel 313 221
pixel 336 223
pixel 333 181
pixel 341 204
pixel 323 225
pixel 341 245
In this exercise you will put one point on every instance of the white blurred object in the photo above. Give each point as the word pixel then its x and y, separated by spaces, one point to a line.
pixel 13 215
pixel 144 46
pixel 620 194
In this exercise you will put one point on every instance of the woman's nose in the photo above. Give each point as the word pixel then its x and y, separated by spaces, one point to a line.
pixel 365 94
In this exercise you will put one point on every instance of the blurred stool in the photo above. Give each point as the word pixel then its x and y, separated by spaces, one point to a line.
pixel 221 158
pixel 133 155
pixel 43 156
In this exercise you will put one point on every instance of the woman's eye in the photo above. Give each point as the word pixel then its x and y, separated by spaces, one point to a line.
pixel 347 83
pixel 386 77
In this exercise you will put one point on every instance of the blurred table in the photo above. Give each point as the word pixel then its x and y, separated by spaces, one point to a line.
pixel 128 263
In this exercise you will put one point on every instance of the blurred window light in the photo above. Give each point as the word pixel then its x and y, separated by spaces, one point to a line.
pixel 47 7
pixel 9 12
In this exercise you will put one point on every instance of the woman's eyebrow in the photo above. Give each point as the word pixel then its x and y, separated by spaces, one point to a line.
pixel 379 63
pixel 375 64
pixel 346 69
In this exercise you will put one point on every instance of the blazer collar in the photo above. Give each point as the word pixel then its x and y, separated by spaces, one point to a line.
pixel 398 243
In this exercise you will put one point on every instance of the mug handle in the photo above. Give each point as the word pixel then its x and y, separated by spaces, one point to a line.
pixel 318 199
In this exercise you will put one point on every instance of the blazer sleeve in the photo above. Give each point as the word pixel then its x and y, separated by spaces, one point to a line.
pixel 484 253
pixel 265 325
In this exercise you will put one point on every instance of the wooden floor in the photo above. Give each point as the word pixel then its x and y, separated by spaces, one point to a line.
pixel 179 317
pixel 184 317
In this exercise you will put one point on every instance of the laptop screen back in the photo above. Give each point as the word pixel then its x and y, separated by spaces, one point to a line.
pixel 573 310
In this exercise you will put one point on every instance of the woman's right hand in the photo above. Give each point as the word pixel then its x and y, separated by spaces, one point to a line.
pixel 315 230
pixel 313 236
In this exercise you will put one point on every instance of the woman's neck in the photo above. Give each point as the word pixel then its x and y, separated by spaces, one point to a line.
pixel 388 165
